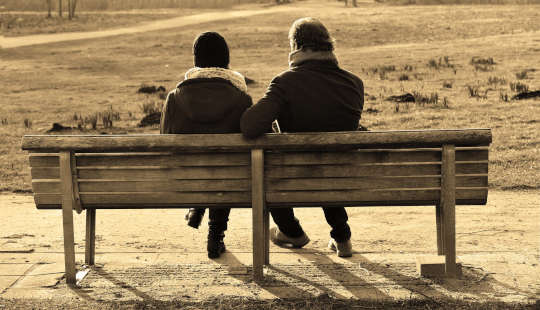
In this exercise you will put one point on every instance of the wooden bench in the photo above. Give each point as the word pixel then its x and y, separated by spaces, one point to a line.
pixel 439 168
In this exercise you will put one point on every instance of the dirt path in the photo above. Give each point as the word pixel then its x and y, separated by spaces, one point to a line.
pixel 13 42
pixel 152 256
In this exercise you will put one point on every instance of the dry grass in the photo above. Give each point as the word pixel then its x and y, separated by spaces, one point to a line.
pixel 103 5
pixel 17 24
pixel 90 76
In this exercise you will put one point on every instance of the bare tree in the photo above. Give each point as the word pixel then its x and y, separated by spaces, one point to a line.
pixel 72 4
pixel 49 8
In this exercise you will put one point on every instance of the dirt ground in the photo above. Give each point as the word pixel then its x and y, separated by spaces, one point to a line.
pixel 151 256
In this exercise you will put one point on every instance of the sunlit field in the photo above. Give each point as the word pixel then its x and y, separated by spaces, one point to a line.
pixel 463 64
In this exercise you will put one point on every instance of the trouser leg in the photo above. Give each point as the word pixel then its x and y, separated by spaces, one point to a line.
pixel 218 219
pixel 337 219
pixel 286 222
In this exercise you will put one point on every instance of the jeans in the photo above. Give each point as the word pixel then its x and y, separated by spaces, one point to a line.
pixel 336 217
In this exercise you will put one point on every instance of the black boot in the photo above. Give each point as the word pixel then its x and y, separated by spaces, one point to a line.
pixel 194 217
pixel 216 246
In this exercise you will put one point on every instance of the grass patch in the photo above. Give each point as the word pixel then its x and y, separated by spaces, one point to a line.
pixel 519 87
pixel 442 62
pixel 403 77
pixel 447 84
pixel 474 91
pixel 482 64
pixel 522 75
pixel 495 80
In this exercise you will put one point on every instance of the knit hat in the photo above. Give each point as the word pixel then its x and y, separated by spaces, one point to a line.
pixel 210 50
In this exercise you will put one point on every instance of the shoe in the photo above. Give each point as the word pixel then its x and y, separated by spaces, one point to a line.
pixel 215 246
pixel 343 249
pixel 280 239
pixel 194 217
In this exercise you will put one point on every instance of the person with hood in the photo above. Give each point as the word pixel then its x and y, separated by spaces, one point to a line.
pixel 313 95
pixel 210 99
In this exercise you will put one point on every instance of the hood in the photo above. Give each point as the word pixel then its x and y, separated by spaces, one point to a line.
pixel 207 100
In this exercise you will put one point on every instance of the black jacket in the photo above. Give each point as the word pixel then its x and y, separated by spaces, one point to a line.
pixel 204 105
pixel 314 96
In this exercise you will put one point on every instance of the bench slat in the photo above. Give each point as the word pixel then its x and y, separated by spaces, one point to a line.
pixel 138 173
pixel 226 185
pixel 206 142
pixel 238 185
pixel 156 198
pixel 376 197
pixel 366 183
pixel 369 156
pixel 171 160
pixel 372 170
pixel 272 158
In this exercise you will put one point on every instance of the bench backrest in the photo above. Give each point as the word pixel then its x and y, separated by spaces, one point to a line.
pixel 304 169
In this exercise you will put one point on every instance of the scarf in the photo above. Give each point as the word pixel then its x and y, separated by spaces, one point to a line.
pixel 299 56
pixel 236 79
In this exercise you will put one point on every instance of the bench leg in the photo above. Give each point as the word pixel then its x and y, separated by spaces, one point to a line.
pixel 69 244
pixel 448 204
pixel 90 246
pixel 439 222
pixel 266 221
pixel 258 210
pixel 67 217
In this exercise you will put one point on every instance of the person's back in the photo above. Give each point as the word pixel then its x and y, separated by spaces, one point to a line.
pixel 315 94
pixel 211 99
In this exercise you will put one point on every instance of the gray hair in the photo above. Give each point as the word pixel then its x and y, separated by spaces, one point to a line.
pixel 309 32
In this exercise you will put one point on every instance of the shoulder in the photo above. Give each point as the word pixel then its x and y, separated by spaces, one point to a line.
pixel 353 77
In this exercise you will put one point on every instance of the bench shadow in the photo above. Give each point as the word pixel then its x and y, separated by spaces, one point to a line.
pixel 271 283
pixel 473 282
pixel 85 293
pixel 281 282
pixel 340 274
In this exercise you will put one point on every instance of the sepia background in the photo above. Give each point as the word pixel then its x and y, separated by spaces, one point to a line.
pixel 426 64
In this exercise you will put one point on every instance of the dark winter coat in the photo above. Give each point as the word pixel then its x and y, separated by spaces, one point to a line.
pixel 204 105
pixel 312 96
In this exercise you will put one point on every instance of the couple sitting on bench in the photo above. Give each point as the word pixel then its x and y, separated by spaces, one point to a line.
pixel 313 95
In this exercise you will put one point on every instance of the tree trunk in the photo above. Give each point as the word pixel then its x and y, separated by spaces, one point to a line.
pixel 60 8
pixel 69 9
pixel 73 6
pixel 49 8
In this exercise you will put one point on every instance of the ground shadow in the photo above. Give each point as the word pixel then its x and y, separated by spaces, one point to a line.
pixel 473 282
pixel 271 283
pixel 85 293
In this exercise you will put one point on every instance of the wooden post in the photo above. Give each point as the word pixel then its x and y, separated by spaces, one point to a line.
pixel 67 215
pixel 75 181
pixel 60 8
pixel 448 204
pixel 258 207
pixel 266 221
pixel 90 246
pixel 439 222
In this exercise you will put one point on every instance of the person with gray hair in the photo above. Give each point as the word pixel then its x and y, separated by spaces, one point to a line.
pixel 313 95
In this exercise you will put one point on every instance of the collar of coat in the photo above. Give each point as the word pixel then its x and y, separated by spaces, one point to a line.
pixel 235 78
pixel 302 55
